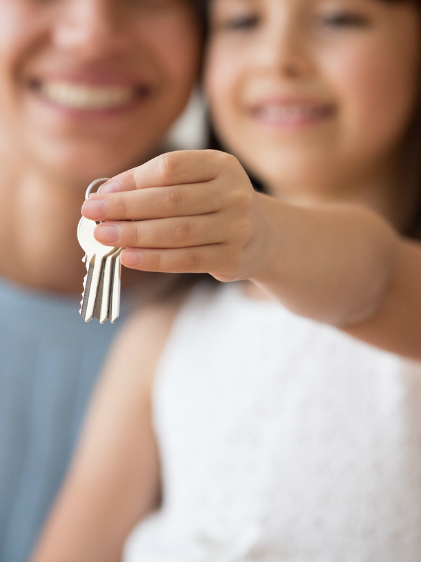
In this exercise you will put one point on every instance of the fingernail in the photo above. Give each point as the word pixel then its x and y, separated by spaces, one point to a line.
pixel 95 209
pixel 110 187
pixel 131 258
pixel 107 233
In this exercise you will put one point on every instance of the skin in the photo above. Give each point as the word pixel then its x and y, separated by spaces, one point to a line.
pixel 50 153
pixel 326 247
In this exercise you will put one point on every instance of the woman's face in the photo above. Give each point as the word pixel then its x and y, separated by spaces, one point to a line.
pixel 313 92
pixel 90 87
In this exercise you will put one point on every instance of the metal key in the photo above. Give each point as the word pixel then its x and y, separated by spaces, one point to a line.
pixel 104 300
pixel 106 287
pixel 96 253
pixel 114 311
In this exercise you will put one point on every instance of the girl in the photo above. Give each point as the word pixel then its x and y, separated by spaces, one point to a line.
pixel 256 410
pixel 87 88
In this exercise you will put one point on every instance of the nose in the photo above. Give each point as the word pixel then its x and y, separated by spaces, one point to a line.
pixel 92 27
pixel 286 49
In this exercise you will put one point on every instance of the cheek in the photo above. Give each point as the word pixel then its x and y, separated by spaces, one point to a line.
pixel 176 45
pixel 376 93
pixel 12 33
pixel 223 86
pixel 21 27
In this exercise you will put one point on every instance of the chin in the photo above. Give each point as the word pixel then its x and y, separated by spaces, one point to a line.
pixel 83 164
pixel 291 172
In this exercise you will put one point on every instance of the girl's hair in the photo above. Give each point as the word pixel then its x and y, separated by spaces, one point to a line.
pixel 411 162
pixel 201 7
pixel 411 168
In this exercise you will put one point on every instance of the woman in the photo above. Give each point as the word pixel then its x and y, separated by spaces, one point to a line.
pixel 88 88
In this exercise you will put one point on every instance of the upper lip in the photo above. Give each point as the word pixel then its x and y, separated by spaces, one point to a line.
pixel 90 78
pixel 287 101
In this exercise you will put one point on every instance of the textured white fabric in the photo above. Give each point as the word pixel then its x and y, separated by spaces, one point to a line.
pixel 281 440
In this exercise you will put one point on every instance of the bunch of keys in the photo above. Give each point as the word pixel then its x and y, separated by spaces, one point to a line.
pixel 102 283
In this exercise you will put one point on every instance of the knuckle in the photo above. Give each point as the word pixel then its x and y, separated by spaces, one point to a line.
pixel 171 200
pixel 131 179
pixel 137 235
pixel 232 163
pixel 182 232
pixel 226 161
pixel 155 262
pixel 194 260
pixel 217 155
pixel 222 160
pixel 168 165
pixel 227 273
pixel 224 278
pixel 231 160
pixel 124 208
pixel 243 199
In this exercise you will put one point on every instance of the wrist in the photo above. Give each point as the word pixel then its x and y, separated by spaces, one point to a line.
pixel 270 252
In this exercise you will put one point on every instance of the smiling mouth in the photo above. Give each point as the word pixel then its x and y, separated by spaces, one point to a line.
pixel 291 114
pixel 86 97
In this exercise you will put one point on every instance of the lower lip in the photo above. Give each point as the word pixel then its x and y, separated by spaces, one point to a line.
pixel 292 124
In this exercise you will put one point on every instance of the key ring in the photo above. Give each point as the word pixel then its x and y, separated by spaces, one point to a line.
pixel 94 184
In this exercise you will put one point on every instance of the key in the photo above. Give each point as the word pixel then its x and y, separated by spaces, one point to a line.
pixel 104 298
pixel 114 312
pixel 108 288
pixel 102 295
pixel 96 254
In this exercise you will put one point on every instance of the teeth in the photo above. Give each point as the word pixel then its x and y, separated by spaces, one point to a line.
pixel 79 96
pixel 290 113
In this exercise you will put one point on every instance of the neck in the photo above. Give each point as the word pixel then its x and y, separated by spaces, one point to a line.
pixel 38 221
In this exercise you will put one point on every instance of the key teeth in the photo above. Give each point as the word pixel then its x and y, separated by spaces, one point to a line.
pixel 112 315
pixel 85 279
pixel 84 289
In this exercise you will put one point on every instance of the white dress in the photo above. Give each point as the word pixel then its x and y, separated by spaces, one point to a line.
pixel 281 439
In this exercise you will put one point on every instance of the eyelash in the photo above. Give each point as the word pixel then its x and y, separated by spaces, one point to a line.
pixel 338 20
pixel 240 23
pixel 344 19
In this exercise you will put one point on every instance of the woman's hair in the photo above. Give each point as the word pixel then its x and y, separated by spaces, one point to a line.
pixel 411 161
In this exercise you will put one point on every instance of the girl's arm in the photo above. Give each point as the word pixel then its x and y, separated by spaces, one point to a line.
pixel 196 211
pixel 346 267
pixel 114 479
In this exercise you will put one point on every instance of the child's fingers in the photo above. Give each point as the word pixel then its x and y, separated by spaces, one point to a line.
pixel 201 259
pixel 153 203
pixel 178 232
pixel 172 168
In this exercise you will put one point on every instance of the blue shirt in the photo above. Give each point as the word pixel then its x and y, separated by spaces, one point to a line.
pixel 49 361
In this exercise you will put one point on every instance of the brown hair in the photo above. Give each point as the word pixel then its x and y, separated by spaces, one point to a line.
pixel 411 170
pixel 411 161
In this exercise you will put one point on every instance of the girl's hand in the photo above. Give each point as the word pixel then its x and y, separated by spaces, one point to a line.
pixel 341 264
pixel 187 211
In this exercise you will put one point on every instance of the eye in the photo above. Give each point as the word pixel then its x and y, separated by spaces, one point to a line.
pixel 246 21
pixel 240 21
pixel 344 20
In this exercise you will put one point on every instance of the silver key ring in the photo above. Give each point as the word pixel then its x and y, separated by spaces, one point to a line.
pixel 94 184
